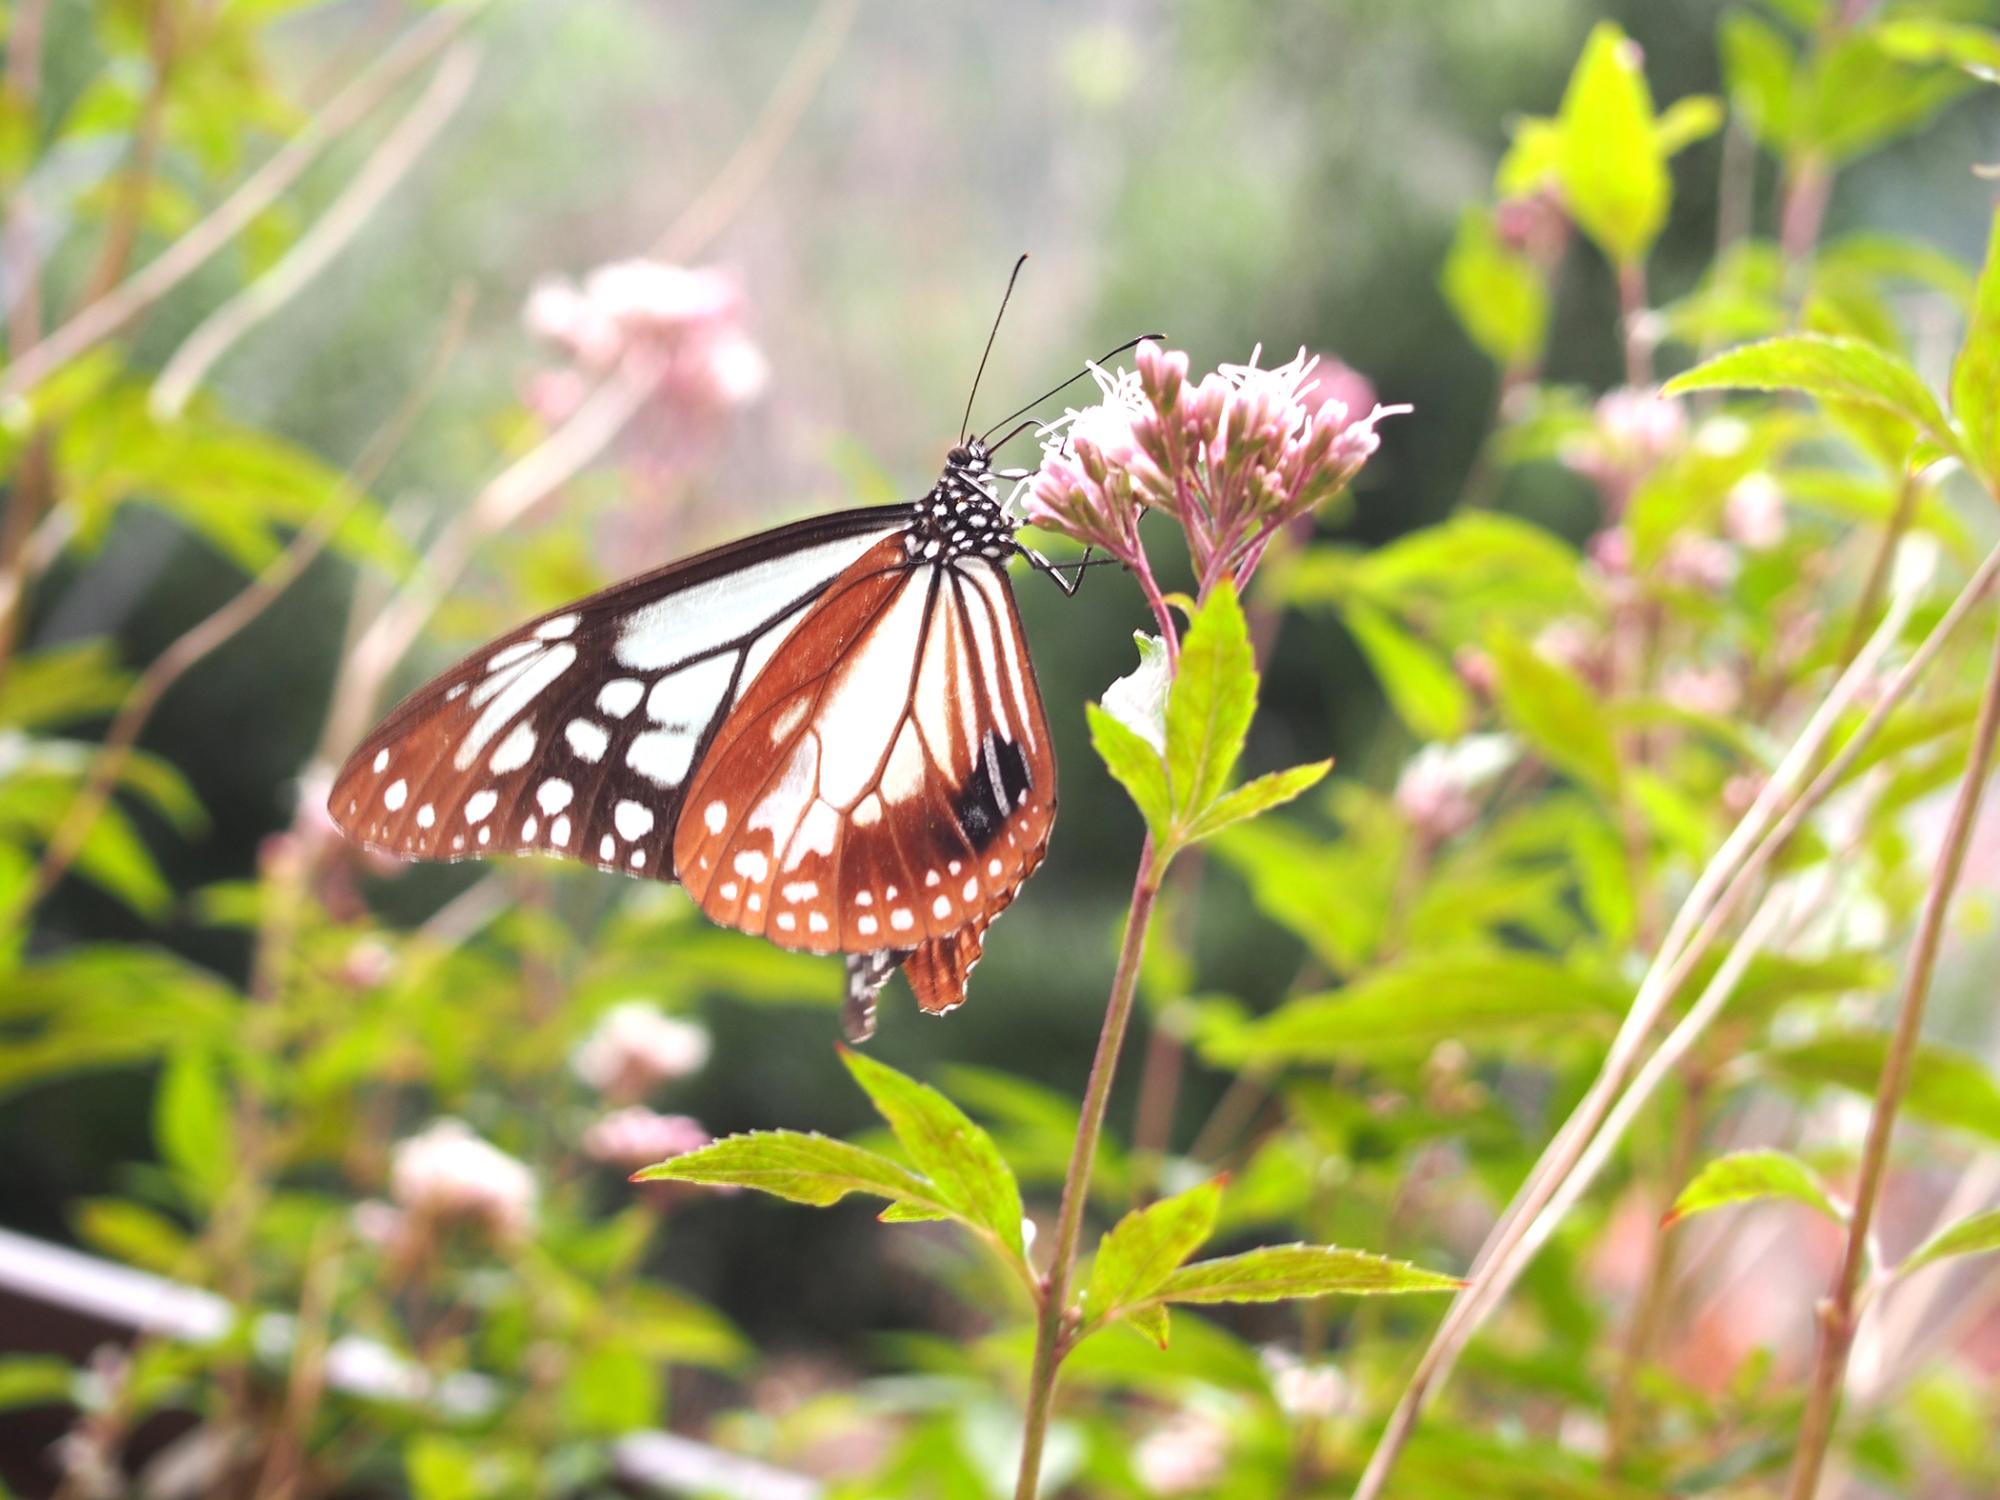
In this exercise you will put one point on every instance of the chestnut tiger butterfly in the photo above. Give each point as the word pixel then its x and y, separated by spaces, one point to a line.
pixel 829 733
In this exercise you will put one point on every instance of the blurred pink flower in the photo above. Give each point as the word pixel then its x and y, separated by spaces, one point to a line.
pixel 1702 690
pixel 1703 563
pixel 1305 1392
pixel 1632 433
pixel 447 1174
pixel 636 1047
pixel 636 1136
pixel 1188 1452
pixel 1438 790
pixel 1574 644
pixel 1754 514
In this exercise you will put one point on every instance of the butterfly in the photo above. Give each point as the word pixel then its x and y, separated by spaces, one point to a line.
pixel 829 733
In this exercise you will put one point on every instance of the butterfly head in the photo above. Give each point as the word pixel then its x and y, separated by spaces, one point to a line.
pixel 963 513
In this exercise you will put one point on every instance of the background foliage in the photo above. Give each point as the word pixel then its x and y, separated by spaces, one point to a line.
pixel 1559 637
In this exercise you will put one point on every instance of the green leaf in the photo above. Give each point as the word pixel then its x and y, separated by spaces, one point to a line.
pixel 1613 175
pixel 1152 1320
pixel 1758 68
pixel 36 1380
pixel 1975 1235
pixel 1501 300
pixel 1409 1007
pixel 1255 797
pixel 798 1167
pixel 1745 1175
pixel 133 1233
pixel 1685 121
pixel 1829 369
pixel 1209 707
pixel 1915 39
pixel 192 1124
pixel 1946 1087
pixel 1281 1272
pixel 1975 374
pixel 1145 1247
pixel 965 1168
pixel 1420 684
pixel 59 683
pixel 1136 766
pixel 1555 713
pixel 1138 700
pixel 609 1392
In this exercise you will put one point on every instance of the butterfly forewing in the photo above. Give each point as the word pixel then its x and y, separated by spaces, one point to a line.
pixel 576 734
pixel 887 783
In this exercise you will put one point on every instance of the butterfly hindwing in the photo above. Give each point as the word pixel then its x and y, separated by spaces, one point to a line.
pixel 887 782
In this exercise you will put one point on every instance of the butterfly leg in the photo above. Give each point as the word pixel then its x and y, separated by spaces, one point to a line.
pixel 866 974
pixel 1069 585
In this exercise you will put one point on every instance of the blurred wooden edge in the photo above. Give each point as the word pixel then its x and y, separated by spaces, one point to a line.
pixel 139 1304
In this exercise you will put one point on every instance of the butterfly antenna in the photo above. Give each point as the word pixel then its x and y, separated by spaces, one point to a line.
pixel 1109 354
pixel 986 353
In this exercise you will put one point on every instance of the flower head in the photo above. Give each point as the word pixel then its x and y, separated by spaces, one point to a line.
pixel 1188 1452
pixel 1232 458
pixel 635 1047
pixel 636 1136
pixel 1438 790
pixel 447 1174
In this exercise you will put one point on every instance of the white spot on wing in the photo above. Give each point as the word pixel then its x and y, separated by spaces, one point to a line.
pixel 479 804
pixel 519 690
pixel 687 699
pixel 381 761
pixel 586 739
pixel 514 749
pixel 554 795
pixel 426 816
pixel 715 815
pixel 620 696
pixel 397 794
pixel 661 756
pixel 633 820
pixel 556 629
pixel 857 715
pixel 751 864
pixel 559 832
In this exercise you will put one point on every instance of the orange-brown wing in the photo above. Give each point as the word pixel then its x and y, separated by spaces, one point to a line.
pixel 887 783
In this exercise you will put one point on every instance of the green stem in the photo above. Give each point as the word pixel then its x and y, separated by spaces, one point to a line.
pixel 1840 1312
pixel 1053 1327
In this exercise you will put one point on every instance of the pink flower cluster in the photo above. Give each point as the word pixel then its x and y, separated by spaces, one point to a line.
pixel 679 326
pixel 1232 458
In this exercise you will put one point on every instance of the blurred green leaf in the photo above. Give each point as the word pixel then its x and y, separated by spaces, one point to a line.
pixel 1281 1272
pixel 1408 1007
pixel 1743 1176
pixel 1614 176
pixel 192 1124
pixel 966 1172
pixel 1927 39
pixel 1555 713
pixel 611 1391
pixel 60 683
pixel 1831 369
pixel 1136 766
pixel 1975 374
pixel 1974 1235
pixel 1209 706
pixel 36 1380
pixel 1862 96
pixel 1685 121
pixel 1142 1249
pixel 1758 68
pixel 1422 687
pixel 798 1167
pixel 1497 293
pixel 1946 1087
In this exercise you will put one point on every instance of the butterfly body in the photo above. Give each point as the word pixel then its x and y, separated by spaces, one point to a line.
pixel 830 734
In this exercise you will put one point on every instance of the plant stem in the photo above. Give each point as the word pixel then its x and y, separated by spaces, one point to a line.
pixel 1052 1328
pixel 1839 1313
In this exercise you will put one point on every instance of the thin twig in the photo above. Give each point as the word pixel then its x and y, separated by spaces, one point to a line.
pixel 135 183
pixel 23 84
pixel 390 163
pixel 205 637
pixel 1909 496
pixel 717 205
pixel 98 321
pixel 1841 1310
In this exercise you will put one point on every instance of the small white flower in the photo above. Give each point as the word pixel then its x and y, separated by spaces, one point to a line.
pixel 447 1172
pixel 637 1046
